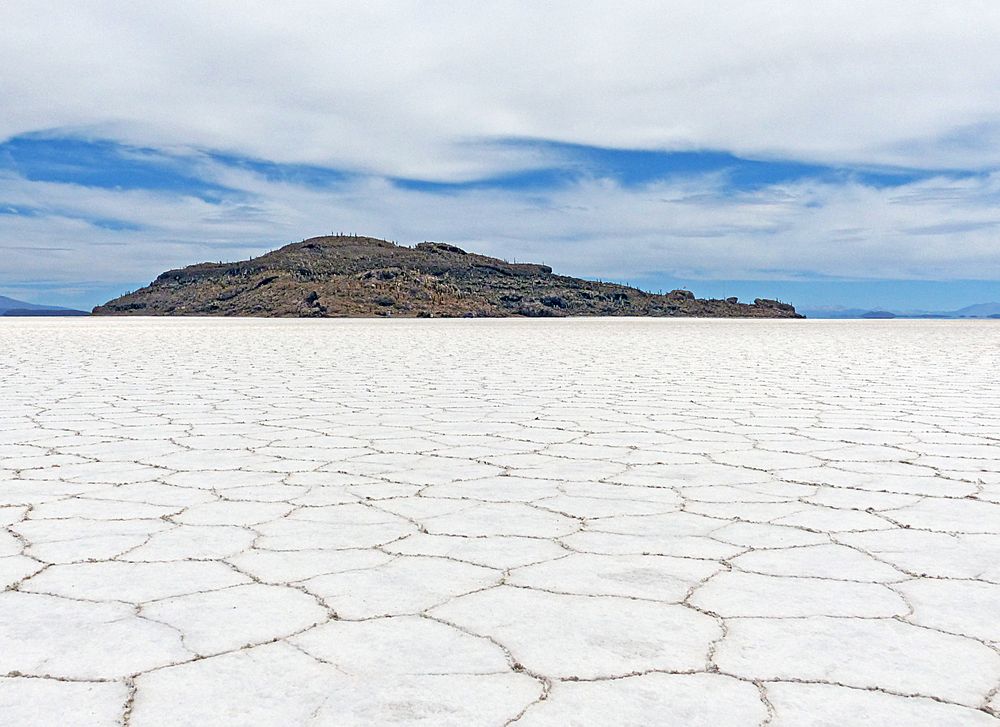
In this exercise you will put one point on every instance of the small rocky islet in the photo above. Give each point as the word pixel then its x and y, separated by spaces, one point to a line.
pixel 352 276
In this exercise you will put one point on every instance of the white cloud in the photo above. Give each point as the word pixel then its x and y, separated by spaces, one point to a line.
pixel 410 88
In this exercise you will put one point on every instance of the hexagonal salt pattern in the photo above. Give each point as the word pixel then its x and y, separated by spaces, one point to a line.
pixel 476 522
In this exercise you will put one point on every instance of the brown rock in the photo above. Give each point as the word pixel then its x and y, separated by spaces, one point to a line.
pixel 363 276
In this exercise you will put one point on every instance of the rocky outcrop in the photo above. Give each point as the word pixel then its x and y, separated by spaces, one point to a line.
pixel 363 276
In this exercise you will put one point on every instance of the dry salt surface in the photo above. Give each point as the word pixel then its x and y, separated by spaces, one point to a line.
pixel 571 522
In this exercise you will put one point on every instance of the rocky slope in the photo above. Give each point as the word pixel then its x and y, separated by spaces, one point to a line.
pixel 363 276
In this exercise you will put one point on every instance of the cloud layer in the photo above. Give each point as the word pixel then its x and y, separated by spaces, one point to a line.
pixel 691 226
pixel 413 88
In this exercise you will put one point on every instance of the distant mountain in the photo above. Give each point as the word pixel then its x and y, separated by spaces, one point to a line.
pixel 13 307
pixel 363 276
pixel 980 310
pixel 841 312
pixel 10 303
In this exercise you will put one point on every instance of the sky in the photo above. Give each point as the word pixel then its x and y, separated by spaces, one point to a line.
pixel 835 152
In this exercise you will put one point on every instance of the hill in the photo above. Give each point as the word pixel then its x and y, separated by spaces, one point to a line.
pixel 364 276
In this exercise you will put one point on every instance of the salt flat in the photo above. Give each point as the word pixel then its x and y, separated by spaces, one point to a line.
pixel 483 522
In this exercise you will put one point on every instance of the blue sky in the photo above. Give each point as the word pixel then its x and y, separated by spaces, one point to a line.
pixel 835 155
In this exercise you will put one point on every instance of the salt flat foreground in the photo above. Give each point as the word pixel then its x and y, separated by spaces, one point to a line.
pixel 576 522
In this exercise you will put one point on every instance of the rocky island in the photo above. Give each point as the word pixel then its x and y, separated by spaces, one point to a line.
pixel 352 276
